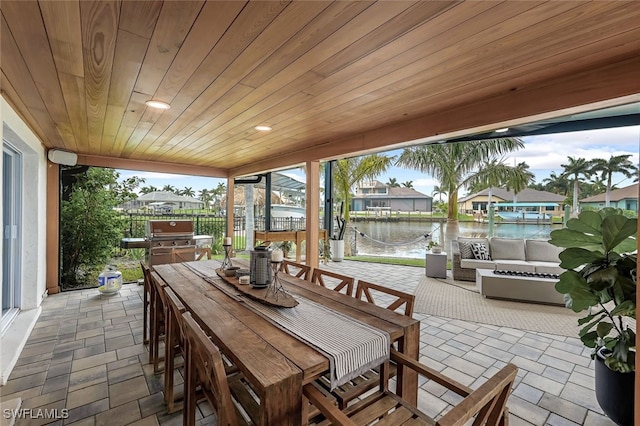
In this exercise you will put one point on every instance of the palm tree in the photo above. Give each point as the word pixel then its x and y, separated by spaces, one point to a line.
pixel 169 188
pixel 615 164
pixel 188 192
pixel 596 185
pixel 393 183
pixel 496 173
pixel 437 190
pixel 557 184
pixel 572 171
pixel 518 183
pixel 408 184
pixel 217 193
pixel 350 171
pixel 148 189
pixel 455 164
pixel 205 197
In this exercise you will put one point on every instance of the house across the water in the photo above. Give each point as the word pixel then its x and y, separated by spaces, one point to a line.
pixel 376 196
pixel 624 198
pixel 476 204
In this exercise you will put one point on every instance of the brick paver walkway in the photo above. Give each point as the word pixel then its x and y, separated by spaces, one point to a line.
pixel 86 356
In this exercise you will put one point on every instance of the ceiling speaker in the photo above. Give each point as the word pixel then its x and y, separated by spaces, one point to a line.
pixel 62 157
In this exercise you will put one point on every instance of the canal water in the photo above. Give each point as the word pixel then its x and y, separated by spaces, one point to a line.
pixel 406 239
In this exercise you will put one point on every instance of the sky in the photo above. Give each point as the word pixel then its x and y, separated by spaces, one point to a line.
pixel 544 154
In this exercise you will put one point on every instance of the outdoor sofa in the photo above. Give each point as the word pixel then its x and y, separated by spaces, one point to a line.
pixel 507 254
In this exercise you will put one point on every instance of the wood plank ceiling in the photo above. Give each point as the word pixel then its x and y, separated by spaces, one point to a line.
pixel 330 78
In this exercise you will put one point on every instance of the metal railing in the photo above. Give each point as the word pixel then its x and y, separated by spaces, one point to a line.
pixel 135 225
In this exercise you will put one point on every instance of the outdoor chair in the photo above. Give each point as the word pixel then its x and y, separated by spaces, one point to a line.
pixel 401 298
pixel 205 371
pixel 189 254
pixel 486 405
pixel 370 379
pixel 156 320
pixel 340 282
pixel 295 269
pixel 174 344
pixel 145 302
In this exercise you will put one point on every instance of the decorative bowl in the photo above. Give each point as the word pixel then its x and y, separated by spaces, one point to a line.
pixel 231 271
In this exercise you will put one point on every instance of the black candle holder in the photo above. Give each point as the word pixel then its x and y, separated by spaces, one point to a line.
pixel 275 287
pixel 226 263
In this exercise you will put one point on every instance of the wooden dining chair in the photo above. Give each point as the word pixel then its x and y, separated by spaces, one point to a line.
pixel 174 345
pixel 205 370
pixel 145 301
pixel 378 295
pixel 333 280
pixel 296 269
pixel 156 320
pixel 486 405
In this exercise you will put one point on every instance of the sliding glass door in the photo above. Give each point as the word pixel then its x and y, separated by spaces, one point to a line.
pixel 11 231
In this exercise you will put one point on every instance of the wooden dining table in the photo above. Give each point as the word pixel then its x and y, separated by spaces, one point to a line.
pixel 276 363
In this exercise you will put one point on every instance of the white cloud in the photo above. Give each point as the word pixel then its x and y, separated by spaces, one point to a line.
pixel 547 153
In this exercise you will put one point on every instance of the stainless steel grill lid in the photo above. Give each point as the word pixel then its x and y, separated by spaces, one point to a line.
pixel 165 235
pixel 169 229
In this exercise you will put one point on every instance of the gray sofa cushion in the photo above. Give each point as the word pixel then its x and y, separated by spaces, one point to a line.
pixel 542 251
pixel 514 265
pixel 477 264
pixel 547 267
pixel 507 249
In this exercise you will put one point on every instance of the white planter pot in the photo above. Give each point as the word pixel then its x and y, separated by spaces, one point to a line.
pixel 337 250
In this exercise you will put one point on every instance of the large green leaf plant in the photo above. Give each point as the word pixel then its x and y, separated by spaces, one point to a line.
pixel 600 262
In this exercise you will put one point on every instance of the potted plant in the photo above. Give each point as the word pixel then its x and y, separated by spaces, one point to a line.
pixel 600 262
pixel 434 247
pixel 286 247
pixel 336 242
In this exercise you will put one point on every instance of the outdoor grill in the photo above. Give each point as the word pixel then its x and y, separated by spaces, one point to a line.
pixel 166 235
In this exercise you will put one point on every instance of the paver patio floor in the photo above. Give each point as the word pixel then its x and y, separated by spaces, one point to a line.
pixel 85 355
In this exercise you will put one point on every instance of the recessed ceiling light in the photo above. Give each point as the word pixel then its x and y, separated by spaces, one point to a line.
pixel 504 129
pixel 263 128
pixel 158 104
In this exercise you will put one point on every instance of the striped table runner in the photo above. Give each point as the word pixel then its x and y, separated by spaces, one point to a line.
pixel 351 346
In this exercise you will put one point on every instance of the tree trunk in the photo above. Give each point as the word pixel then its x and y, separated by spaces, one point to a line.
pixel 575 197
pixel 453 206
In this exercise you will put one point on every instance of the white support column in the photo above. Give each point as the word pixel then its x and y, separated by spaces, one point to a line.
pixel 230 203
pixel 313 208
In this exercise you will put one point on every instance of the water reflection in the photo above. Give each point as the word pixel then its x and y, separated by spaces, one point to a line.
pixel 388 236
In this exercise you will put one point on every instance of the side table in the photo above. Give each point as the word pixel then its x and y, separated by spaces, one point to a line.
pixel 436 265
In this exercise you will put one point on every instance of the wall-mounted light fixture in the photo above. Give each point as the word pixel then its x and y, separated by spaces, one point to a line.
pixel 65 158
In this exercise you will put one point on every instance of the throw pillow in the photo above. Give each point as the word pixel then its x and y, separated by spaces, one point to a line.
pixel 480 251
pixel 465 250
